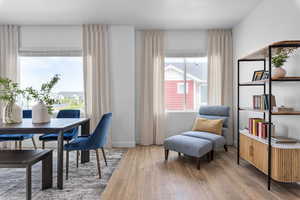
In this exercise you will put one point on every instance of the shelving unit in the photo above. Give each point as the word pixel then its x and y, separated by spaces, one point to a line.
pixel 281 152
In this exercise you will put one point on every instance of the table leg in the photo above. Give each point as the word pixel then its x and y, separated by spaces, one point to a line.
pixel 47 172
pixel 60 160
pixel 28 182
pixel 85 130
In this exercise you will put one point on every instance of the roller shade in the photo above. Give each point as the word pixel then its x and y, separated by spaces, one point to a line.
pixel 50 41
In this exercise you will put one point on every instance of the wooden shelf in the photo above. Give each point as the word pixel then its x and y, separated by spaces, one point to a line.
pixel 262 82
pixel 273 113
pixel 263 52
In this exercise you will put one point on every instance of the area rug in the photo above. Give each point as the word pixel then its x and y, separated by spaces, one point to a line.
pixel 83 182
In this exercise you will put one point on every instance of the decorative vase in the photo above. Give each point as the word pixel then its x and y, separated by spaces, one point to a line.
pixel 278 72
pixel 12 113
pixel 40 113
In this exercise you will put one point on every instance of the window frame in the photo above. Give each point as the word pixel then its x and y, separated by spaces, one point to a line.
pixel 184 56
pixel 52 54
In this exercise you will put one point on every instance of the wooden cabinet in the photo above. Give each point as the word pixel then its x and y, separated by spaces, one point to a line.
pixel 285 161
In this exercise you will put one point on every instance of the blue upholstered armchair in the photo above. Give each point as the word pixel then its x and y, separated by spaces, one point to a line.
pixel 214 112
pixel 95 141
pixel 68 135
pixel 19 137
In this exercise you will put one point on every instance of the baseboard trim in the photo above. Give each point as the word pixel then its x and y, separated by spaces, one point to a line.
pixel 128 144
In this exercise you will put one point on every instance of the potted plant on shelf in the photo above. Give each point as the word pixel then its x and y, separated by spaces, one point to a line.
pixel 9 91
pixel 278 61
pixel 42 110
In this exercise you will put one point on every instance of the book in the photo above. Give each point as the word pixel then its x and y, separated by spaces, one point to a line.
pixel 261 102
pixel 281 139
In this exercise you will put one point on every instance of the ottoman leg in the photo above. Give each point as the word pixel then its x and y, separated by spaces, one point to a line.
pixel 212 154
pixel 225 147
pixel 198 163
pixel 208 156
pixel 166 154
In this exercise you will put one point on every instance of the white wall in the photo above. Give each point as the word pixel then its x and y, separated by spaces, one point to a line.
pixel 122 51
pixel 176 43
pixel 271 21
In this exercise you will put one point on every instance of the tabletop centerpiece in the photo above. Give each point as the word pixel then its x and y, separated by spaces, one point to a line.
pixel 9 92
pixel 43 108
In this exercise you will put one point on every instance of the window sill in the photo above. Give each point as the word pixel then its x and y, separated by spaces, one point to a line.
pixel 184 111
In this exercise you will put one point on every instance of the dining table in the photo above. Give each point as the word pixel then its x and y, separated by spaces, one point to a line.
pixel 57 125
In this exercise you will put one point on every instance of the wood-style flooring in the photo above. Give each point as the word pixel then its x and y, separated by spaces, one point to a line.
pixel 144 175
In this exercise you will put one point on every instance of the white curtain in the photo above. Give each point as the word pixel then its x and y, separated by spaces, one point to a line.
pixel 152 115
pixel 220 67
pixel 9 40
pixel 96 72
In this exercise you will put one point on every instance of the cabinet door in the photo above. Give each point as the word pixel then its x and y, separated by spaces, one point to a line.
pixel 260 155
pixel 246 148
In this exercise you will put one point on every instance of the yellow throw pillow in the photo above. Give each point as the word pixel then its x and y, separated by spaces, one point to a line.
pixel 208 125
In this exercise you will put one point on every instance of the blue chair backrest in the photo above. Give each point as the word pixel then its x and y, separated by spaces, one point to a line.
pixel 215 112
pixel 99 136
pixel 27 113
pixel 68 114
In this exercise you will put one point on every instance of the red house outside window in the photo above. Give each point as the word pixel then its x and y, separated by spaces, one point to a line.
pixel 185 83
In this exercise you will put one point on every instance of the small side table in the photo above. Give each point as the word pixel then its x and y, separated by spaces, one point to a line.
pixel 25 159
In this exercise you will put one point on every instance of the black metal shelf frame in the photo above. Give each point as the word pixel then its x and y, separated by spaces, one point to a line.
pixel 269 111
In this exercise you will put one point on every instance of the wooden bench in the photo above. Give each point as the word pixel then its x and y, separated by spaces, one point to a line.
pixel 25 159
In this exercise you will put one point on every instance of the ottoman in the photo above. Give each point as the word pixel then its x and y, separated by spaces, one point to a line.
pixel 191 146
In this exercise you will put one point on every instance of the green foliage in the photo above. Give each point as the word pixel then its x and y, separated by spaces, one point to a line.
pixel 44 94
pixel 9 91
pixel 281 57
pixel 72 103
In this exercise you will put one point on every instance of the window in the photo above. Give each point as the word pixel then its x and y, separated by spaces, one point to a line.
pixel 185 83
pixel 180 88
pixel 69 90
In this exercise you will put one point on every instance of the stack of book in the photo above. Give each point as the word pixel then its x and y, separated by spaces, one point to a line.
pixel 259 128
pixel 261 102
pixel 281 139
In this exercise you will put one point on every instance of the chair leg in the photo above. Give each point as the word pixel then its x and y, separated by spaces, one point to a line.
pixel 77 158
pixel 43 144
pixel 198 163
pixel 20 144
pixel 67 165
pixel 226 148
pixel 103 152
pixel 98 163
pixel 166 154
pixel 33 142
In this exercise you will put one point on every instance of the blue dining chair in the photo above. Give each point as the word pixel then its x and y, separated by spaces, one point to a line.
pixel 19 137
pixel 94 141
pixel 68 135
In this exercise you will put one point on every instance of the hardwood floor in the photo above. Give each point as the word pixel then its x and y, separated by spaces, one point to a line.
pixel 144 175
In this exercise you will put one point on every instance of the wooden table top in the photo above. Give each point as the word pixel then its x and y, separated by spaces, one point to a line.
pixel 55 125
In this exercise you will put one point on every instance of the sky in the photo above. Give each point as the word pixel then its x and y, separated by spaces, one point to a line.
pixel 38 70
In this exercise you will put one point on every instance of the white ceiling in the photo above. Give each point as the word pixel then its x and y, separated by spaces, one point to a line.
pixel 168 14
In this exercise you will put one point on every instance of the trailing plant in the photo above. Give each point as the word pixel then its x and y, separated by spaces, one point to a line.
pixel 281 57
pixel 9 90
pixel 44 94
